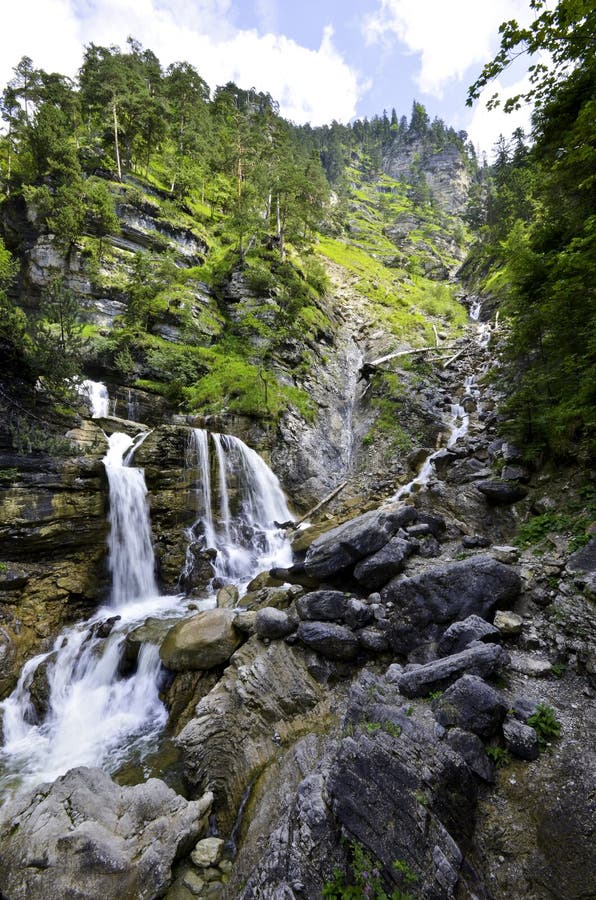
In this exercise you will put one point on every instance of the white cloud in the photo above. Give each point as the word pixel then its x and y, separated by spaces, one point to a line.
pixel 485 126
pixel 449 35
pixel 311 85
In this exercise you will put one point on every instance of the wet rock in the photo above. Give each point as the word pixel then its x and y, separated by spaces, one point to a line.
pixel 472 705
pixel 501 493
pixel 227 596
pixel 376 570
pixel 325 606
pixel 85 836
pixel 201 642
pixel 341 548
pixel 521 739
pixel 461 634
pixel 477 659
pixel 152 631
pixel 295 575
pixel 278 597
pixel 273 623
pixel 264 580
pixel 13 578
pixel 330 640
pixel 425 604
pixel 39 689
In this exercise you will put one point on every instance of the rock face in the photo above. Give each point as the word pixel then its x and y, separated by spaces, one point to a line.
pixel 265 697
pixel 84 836
pixel 389 785
pixel 53 530
pixel 424 604
pixel 201 642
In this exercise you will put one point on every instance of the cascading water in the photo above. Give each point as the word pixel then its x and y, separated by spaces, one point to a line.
pixel 96 394
pixel 247 539
pixel 460 419
pixel 94 716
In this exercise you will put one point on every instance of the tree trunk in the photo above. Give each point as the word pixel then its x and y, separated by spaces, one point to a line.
pixel 116 144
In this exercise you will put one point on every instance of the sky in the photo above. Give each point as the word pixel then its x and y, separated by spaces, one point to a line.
pixel 320 59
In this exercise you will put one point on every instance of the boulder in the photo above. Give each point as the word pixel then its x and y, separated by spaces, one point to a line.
pixel 202 642
pixel 372 640
pixel 508 622
pixel 501 493
pixel 358 614
pixel 477 659
pixel 324 606
pixel 330 640
pixel 273 623
pixel 85 836
pixel 471 704
pixel 207 852
pixel 583 560
pixel 227 596
pixel 521 739
pixel 460 634
pixel 472 749
pixel 425 604
pixel 338 550
pixel 376 570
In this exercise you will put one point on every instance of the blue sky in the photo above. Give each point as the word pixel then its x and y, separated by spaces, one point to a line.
pixel 321 60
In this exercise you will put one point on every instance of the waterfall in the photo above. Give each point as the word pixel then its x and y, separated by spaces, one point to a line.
pixel 459 422
pixel 91 713
pixel 244 534
pixel 96 395
pixel 94 716
pixel 131 558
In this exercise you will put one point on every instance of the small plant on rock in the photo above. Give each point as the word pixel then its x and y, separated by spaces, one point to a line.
pixel 545 724
pixel 366 882
pixel 499 756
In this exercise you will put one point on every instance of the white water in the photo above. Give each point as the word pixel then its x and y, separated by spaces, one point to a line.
pixel 96 394
pixel 95 715
pixel 245 538
pixel 459 423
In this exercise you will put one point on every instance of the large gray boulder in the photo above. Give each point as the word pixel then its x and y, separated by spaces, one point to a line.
pixel 201 642
pixel 471 704
pixel 338 550
pixel 477 659
pixel 501 493
pixel 322 606
pixel 425 604
pixel 330 640
pixel 86 837
pixel 460 634
pixel 376 570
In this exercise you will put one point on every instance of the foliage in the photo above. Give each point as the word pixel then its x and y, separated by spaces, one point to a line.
pixel 540 235
pixel 544 721
pixel 367 881
pixel 499 756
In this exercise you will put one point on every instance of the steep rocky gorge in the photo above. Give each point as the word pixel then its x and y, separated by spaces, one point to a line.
pixel 345 705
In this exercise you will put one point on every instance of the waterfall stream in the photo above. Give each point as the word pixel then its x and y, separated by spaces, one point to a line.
pixel 459 421
pixel 77 704
pixel 246 540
